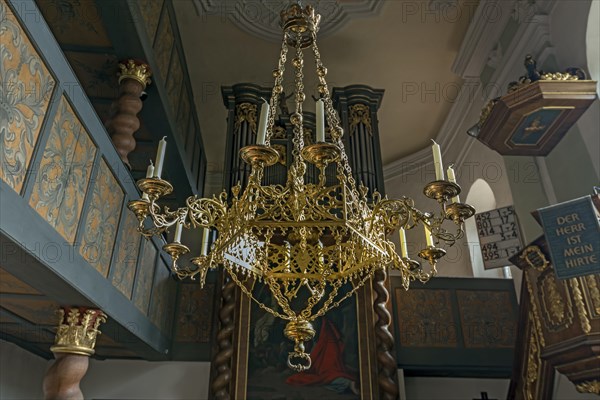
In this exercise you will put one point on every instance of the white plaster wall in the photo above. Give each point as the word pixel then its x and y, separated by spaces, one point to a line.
pixel 564 390
pixel 132 379
pixel 21 373
pixel 454 388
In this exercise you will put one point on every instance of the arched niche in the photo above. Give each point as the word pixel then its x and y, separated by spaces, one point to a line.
pixel 481 196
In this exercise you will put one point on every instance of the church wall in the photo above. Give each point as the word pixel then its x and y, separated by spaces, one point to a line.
pixel 21 373
pixel 453 388
pixel 564 390
pixel 133 379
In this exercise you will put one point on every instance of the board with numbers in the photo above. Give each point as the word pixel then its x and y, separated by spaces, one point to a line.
pixel 499 236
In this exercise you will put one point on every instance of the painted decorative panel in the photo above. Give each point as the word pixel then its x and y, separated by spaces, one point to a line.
pixel 101 220
pixel 163 300
pixel 143 284
pixel 150 10
pixel 76 187
pixel 62 177
pixel 194 313
pixel 27 86
pixel 487 318
pixel 75 22
pixel 164 46
pixel 425 318
pixel 174 83
pixel 127 254
pixel 96 72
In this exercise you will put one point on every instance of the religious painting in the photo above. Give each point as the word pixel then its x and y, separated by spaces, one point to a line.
pixel 334 373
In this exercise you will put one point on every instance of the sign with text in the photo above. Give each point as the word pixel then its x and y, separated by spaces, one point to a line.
pixel 499 236
pixel 572 231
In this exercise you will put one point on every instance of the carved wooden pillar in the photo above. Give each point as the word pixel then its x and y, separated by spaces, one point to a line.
pixel 387 367
pixel 222 375
pixel 73 345
pixel 134 76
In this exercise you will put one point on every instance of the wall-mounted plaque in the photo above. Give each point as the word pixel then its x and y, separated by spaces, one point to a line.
pixel 572 230
pixel 499 236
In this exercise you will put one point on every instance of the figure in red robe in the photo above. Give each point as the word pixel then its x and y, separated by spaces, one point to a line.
pixel 327 362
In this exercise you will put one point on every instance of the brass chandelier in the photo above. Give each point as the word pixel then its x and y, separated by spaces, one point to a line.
pixel 311 244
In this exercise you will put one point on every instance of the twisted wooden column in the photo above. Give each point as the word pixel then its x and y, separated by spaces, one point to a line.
pixel 73 345
pixel 134 76
pixel 220 386
pixel 386 362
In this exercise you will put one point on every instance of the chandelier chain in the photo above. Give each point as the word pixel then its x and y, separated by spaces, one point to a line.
pixel 276 91
pixel 332 117
pixel 297 119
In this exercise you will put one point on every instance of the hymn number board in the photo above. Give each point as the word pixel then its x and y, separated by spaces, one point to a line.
pixel 499 236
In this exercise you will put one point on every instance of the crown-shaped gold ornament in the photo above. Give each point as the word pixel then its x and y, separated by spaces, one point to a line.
pixel 296 20
pixel 77 330
pixel 132 69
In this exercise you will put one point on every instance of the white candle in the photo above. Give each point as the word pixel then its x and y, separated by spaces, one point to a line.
pixel 145 197
pixel 262 124
pixel 178 230
pixel 437 161
pixel 428 236
pixel 320 121
pixel 205 232
pixel 150 170
pixel 160 157
pixel 403 249
pixel 452 179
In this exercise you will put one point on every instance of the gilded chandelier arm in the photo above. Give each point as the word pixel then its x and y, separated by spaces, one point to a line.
pixel 206 212
pixel 162 220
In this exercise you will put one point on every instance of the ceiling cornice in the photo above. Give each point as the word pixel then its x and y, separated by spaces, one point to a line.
pixel 485 30
pixel 261 18
pixel 532 37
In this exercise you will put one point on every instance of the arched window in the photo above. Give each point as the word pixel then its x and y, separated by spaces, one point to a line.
pixel 480 196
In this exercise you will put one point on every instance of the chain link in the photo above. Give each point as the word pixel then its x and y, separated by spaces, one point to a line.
pixel 333 119
pixel 276 91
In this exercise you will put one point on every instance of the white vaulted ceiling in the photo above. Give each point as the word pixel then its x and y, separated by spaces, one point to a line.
pixel 404 47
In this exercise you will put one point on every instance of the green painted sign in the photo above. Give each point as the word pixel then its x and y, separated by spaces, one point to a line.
pixel 572 230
